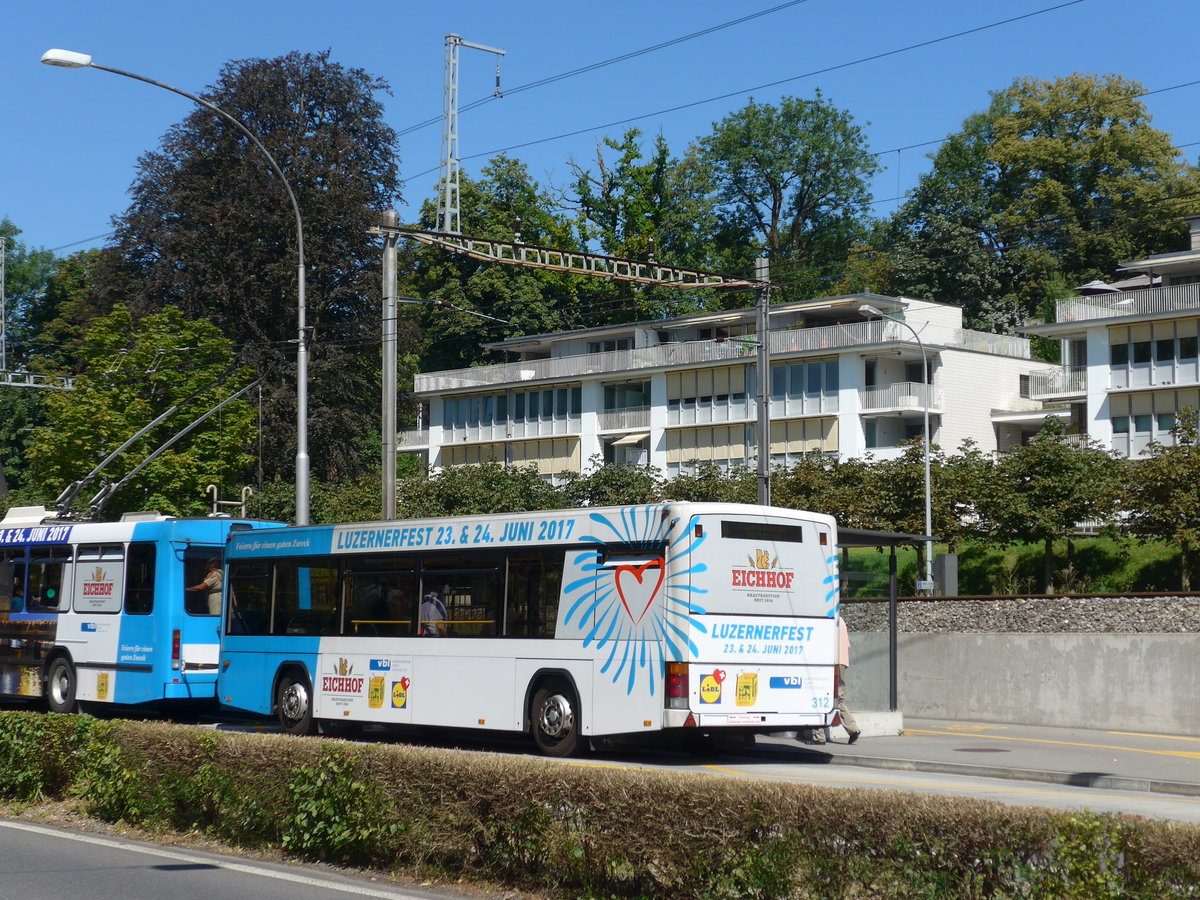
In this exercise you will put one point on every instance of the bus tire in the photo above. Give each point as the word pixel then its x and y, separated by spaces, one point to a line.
pixel 61 685
pixel 293 704
pixel 555 718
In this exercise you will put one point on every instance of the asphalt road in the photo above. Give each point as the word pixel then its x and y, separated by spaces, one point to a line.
pixel 38 863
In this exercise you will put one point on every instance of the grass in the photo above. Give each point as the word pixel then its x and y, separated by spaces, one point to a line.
pixel 1098 565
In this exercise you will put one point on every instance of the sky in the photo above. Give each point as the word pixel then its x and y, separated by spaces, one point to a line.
pixel 909 73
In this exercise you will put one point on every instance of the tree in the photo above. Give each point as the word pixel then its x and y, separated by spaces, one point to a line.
pixel 793 179
pixel 1042 490
pixel 504 202
pixel 132 371
pixel 1057 182
pixel 614 484
pixel 471 490
pixel 210 230
pixel 1164 493
pixel 639 208
pixel 26 272
pixel 707 483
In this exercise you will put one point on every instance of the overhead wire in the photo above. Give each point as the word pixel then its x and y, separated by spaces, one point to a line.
pixel 591 67
pixel 744 91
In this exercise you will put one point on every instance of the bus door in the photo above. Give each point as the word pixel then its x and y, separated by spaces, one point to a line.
pixel 27 620
pixel 195 637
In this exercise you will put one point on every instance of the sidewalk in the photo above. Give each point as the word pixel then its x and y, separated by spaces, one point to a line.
pixel 1115 760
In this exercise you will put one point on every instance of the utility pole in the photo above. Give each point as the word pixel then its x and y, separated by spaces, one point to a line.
pixel 3 308
pixel 390 236
pixel 448 219
pixel 762 274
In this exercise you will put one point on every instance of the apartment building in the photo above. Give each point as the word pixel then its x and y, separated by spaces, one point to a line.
pixel 845 381
pixel 1129 351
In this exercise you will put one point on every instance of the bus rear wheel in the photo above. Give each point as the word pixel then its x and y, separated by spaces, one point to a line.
pixel 556 719
pixel 293 705
pixel 61 683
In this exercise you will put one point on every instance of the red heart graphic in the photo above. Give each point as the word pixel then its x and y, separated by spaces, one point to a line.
pixel 637 572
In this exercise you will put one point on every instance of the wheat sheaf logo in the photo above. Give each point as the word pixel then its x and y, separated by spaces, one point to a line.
pixel 343 667
pixel 762 560
pixel 98 574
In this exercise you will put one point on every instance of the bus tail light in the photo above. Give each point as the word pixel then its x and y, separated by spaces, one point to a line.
pixel 175 649
pixel 677 686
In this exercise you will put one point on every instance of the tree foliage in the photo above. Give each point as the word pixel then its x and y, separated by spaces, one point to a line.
pixel 210 230
pixel 1056 183
pixel 793 179
pixel 1164 493
pixel 1042 490
pixel 132 371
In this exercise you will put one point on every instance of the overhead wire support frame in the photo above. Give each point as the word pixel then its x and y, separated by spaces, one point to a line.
pixel 569 261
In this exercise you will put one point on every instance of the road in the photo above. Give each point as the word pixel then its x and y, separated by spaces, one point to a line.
pixel 38 863
pixel 1155 776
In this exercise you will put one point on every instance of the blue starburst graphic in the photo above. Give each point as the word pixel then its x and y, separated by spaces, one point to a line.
pixel 633 594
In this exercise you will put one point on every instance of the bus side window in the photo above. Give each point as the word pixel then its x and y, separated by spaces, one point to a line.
pixel 534 582
pixel 45 584
pixel 12 581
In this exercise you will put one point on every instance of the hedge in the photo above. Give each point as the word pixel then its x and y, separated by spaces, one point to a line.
pixel 580 831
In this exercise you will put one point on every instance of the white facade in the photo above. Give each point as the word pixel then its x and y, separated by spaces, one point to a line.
pixel 1130 352
pixel 677 392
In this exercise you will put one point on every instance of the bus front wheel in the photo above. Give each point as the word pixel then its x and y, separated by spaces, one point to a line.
pixel 60 686
pixel 293 704
pixel 556 719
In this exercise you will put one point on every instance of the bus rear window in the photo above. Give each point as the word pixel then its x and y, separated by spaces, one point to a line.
pixel 763 531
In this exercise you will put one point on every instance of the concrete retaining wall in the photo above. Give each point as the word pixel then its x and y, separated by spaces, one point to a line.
pixel 1130 682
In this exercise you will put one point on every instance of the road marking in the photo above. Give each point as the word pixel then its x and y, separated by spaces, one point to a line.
pixel 1162 737
pixel 1183 754
pixel 215 861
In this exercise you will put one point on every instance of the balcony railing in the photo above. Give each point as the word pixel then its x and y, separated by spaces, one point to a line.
pixel 824 339
pixel 1172 298
pixel 1065 381
pixel 624 419
pixel 413 439
pixel 903 395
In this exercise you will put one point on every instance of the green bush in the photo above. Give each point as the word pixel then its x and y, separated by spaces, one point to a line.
pixel 528 823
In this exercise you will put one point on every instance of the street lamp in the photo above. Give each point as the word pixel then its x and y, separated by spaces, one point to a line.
pixel 867 309
pixel 71 60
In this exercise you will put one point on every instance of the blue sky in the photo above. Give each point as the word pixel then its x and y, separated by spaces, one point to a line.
pixel 70 139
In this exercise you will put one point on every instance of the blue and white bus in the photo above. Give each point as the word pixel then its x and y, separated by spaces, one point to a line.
pixel 695 619
pixel 98 613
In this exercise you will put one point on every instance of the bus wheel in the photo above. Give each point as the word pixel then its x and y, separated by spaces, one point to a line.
pixel 556 719
pixel 60 686
pixel 293 702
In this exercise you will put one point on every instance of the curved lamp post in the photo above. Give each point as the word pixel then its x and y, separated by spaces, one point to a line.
pixel 71 60
pixel 868 310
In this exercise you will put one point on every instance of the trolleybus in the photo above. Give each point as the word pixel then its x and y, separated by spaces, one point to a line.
pixel 568 625
pixel 98 613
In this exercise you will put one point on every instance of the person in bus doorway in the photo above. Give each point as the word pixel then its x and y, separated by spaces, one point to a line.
pixel 433 615
pixel 212 584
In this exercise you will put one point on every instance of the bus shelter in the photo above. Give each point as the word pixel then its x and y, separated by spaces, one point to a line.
pixel 850 538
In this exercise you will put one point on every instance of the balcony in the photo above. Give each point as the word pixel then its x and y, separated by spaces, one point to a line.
pixel 1173 298
pixel 624 419
pixel 901 397
pixel 413 439
pixel 826 339
pixel 1067 382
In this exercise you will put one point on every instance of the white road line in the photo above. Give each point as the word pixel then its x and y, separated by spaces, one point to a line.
pixel 217 861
